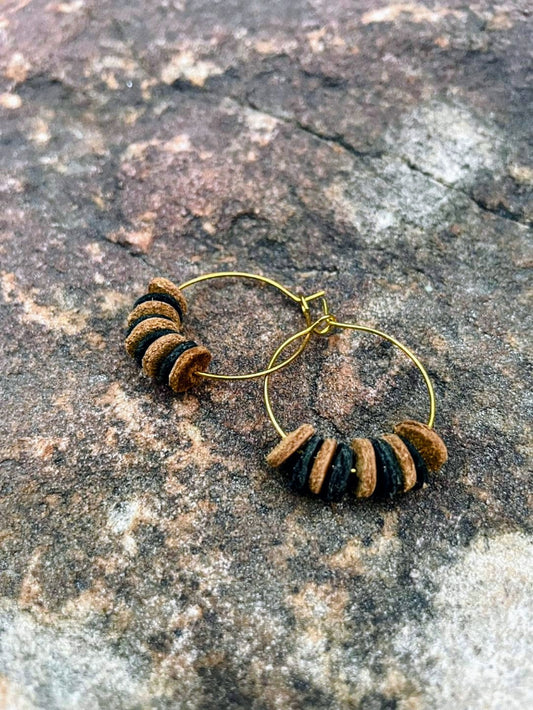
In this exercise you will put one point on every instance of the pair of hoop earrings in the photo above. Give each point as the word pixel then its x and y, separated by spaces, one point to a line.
pixel 379 467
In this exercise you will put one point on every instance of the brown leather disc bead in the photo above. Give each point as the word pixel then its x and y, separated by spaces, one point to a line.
pixel 154 308
pixel 183 374
pixel 143 329
pixel 158 351
pixel 404 458
pixel 365 467
pixel 162 285
pixel 426 440
pixel 321 465
pixel 289 445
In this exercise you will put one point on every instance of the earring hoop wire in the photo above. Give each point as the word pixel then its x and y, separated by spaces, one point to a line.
pixel 303 302
pixel 331 323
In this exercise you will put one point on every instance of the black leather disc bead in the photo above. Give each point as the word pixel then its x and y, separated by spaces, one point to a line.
pixel 299 465
pixel 422 473
pixel 336 482
pixel 389 475
pixel 170 360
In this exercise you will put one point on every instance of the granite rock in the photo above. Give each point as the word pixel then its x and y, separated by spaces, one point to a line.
pixel 149 558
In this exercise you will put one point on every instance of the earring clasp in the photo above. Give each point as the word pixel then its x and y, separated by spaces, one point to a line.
pixel 302 301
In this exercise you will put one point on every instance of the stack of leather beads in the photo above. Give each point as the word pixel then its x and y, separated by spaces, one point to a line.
pixel 154 339
pixel 381 467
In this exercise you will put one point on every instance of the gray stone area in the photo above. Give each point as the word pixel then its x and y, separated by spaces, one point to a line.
pixel 148 558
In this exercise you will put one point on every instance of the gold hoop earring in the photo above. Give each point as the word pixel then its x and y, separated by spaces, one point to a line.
pixel 155 341
pixel 380 467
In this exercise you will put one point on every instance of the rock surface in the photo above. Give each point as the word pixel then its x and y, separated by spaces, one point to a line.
pixel 149 559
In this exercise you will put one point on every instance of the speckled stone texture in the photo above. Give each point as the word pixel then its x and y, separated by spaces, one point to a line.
pixel 149 557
